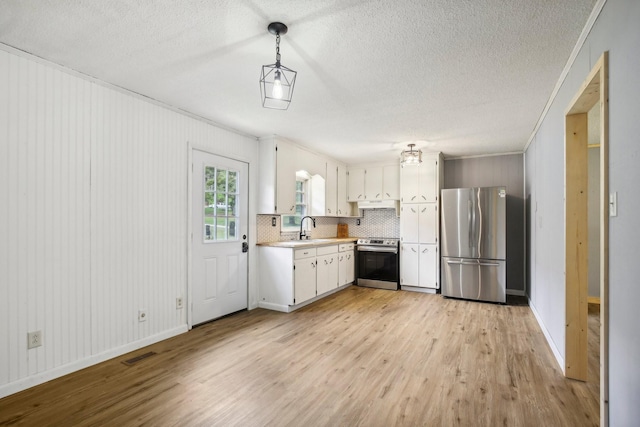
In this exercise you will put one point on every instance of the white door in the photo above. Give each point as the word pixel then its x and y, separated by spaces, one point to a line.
pixel 220 215
pixel 427 179
pixel 304 276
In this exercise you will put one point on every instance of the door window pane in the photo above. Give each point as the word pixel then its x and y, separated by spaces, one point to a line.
pixel 221 213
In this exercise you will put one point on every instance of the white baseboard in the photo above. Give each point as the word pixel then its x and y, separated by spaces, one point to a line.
pixel 519 292
pixel 274 307
pixel 43 377
pixel 547 335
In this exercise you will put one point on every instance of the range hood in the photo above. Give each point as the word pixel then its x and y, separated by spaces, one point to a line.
pixel 377 204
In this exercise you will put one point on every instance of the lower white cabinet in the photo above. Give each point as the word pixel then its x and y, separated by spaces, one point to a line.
pixel 304 275
pixel 327 273
pixel 289 277
pixel 419 265
pixel 347 264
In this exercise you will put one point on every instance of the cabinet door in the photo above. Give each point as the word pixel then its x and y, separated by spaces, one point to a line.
pixel 428 269
pixel 409 262
pixel 428 179
pixel 343 204
pixel 410 223
pixel 285 179
pixel 304 280
pixel 331 190
pixel 409 192
pixel 350 261
pixel 428 223
pixel 327 274
pixel 391 182
pixel 342 269
pixel 356 184
pixel 373 180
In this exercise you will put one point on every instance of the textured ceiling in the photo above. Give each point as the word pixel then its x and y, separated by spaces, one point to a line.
pixel 465 77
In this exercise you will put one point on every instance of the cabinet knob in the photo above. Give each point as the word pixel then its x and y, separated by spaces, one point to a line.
pixel 413 198
pixel 359 195
pixel 292 208
pixel 424 197
pixel 413 249
pixel 313 264
pixel 377 195
pixel 388 195
pixel 425 250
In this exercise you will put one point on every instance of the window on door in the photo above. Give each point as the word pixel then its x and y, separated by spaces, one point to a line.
pixel 221 217
pixel 292 222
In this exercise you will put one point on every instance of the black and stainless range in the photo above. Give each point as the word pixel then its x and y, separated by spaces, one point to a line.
pixel 378 263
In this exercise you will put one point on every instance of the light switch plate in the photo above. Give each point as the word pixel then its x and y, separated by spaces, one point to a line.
pixel 613 204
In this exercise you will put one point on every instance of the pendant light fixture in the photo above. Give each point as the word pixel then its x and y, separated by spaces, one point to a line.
pixel 276 80
pixel 411 156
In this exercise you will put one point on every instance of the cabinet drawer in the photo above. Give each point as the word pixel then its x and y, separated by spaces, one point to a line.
pixel 326 250
pixel 347 247
pixel 304 253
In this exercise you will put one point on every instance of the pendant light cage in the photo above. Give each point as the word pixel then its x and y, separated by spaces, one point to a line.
pixel 276 80
pixel 411 156
pixel 268 80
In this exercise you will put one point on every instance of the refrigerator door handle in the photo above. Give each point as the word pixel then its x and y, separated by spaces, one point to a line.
pixel 469 223
pixel 484 264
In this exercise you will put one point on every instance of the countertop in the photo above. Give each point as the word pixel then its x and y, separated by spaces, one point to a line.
pixel 309 243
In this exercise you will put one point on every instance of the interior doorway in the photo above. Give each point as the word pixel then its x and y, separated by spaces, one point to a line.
pixel 593 91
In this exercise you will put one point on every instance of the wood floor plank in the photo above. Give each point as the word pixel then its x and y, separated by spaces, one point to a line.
pixel 361 357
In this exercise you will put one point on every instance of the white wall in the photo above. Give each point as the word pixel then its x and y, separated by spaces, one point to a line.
pixel 93 218
pixel 617 31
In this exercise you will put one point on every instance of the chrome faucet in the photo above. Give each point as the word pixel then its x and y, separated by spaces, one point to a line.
pixel 303 233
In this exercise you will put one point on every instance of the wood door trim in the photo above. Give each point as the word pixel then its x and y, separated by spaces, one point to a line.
pixel 595 89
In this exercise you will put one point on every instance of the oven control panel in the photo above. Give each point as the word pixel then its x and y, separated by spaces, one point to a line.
pixel 378 242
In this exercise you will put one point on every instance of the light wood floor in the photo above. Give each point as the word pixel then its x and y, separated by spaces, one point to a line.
pixel 361 357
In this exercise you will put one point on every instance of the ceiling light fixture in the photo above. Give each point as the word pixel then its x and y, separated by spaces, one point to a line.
pixel 276 80
pixel 411 156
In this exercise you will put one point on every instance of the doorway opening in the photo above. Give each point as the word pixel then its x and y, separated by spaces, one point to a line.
pixel 593 92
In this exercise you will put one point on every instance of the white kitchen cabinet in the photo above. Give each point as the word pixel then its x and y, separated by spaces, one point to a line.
pixel 277 176
pixel 419 223
pixel 331 187
pixel 419 265
pixel 428 223
pixel 304 275
pixel 343 204
pixel 355 189
pixel 409 264
pixel 289 277
pixel 428 266
pixel 373 180
pixel 420 183
pixel 327 273
pixel 347 264
pixel 391 182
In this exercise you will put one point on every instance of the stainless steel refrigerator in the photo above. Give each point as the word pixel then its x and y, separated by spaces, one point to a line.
pixel 473 244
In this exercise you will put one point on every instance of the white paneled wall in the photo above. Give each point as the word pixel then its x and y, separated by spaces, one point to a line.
pixel 93 218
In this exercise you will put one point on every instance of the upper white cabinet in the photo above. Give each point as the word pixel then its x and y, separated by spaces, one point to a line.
pixel 419 223
pixel 374 183
pixel 420 183
pixel 343 204
pixel 391 182
pixel 277 176
pixel 356 184
pixel 281 161
pixel 331 200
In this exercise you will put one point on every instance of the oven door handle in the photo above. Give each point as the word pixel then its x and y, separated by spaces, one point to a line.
pixel 377 249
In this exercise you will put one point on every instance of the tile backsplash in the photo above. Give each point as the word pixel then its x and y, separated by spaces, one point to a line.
pixel 373 223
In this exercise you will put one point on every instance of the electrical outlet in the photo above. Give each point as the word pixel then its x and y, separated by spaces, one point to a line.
pixel 142 315
pixel 34 339
pixel 179 303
